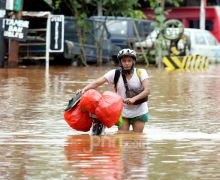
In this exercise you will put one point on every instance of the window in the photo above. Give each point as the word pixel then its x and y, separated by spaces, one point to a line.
pixel 211 40
pixel 195 24
pixel 213 2
pixel 117 27
pixel 192 3
pixel 209 25
pixel 144 28
pixel 199 39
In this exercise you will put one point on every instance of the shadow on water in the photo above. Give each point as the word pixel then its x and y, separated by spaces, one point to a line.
pixel 181 139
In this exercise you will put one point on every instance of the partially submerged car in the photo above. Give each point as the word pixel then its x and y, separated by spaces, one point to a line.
pixel 201 42
pixel 125 31
pixel 91 37
pixel 119 32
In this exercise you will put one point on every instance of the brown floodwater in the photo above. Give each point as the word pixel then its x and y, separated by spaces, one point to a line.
pixel 180 141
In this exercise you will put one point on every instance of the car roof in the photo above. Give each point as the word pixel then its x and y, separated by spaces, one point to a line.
pixel 118 18
pixel 194 30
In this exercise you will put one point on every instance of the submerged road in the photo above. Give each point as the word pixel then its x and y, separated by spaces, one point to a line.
pixel 181 139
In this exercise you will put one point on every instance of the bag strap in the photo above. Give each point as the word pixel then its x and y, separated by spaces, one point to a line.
pixel 116 78
pixel 125 82
pixel 139 73
pixel 117 75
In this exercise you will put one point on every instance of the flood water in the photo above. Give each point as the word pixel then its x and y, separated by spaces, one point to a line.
pixel 180 141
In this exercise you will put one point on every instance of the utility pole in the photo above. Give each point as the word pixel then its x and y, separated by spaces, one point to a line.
pixel 14 44
pixel 99 7
pixel 202 14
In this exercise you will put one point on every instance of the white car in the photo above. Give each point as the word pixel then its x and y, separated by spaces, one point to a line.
pixel 202 43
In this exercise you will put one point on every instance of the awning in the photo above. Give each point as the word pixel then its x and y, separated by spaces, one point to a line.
pixel 40 14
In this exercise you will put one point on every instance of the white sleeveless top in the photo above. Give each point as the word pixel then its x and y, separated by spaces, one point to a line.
pixel 129 111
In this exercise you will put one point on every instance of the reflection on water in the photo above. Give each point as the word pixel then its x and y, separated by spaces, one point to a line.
pixel 181 139
pixel 108 157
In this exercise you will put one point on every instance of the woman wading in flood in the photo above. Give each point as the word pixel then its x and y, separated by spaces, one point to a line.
pixel 132 84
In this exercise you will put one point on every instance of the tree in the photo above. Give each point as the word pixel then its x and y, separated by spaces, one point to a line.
pixel 75 7
pixel 116 8
pixel 83 9
pixel 158 6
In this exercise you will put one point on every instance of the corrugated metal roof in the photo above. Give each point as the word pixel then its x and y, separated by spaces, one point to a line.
pixel 48 2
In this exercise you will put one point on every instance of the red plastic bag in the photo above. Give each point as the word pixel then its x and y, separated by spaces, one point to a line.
pixel 109 108
pixel 89 101
pixel 77 119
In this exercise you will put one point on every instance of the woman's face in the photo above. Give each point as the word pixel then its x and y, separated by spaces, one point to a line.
pixel 127 62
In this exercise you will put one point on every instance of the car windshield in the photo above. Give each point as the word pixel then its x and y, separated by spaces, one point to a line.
pixel 117 27
pixel 200 39
pixel 211 40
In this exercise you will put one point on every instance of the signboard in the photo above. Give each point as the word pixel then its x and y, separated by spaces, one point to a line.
pixel 56 33
pixel 17 5
pixel 1 45
pixel 15 29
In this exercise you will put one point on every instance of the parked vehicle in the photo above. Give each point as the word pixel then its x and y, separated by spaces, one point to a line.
pixel 119 32
pixel 91 37
pixel 125 31
pixel 190 15
pixel 201 42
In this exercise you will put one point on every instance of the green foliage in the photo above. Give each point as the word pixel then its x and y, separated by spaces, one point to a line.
pixel 122 8
pixel 57 4
pixel 110 7
pixel 82 9
pixel 176 3
pixel 158 6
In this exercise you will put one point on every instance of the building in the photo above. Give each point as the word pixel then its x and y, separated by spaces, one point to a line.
pixel 189 14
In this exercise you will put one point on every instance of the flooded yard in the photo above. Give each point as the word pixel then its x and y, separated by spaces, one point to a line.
pixel 180 141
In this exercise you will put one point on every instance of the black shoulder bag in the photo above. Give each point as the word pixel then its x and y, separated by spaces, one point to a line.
pixel 133 92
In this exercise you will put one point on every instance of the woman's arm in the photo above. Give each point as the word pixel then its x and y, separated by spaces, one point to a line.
pixel 98 82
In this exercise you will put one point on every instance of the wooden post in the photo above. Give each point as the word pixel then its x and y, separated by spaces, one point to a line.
pixel 2 49
pixel 14 45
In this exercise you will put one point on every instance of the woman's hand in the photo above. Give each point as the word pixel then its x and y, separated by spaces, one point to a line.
pixel 80 91
pixel 129 101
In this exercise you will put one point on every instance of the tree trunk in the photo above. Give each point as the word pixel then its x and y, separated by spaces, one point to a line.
pixel 100 47
pixel 82 50
pixel 159 57
pixel 83 60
